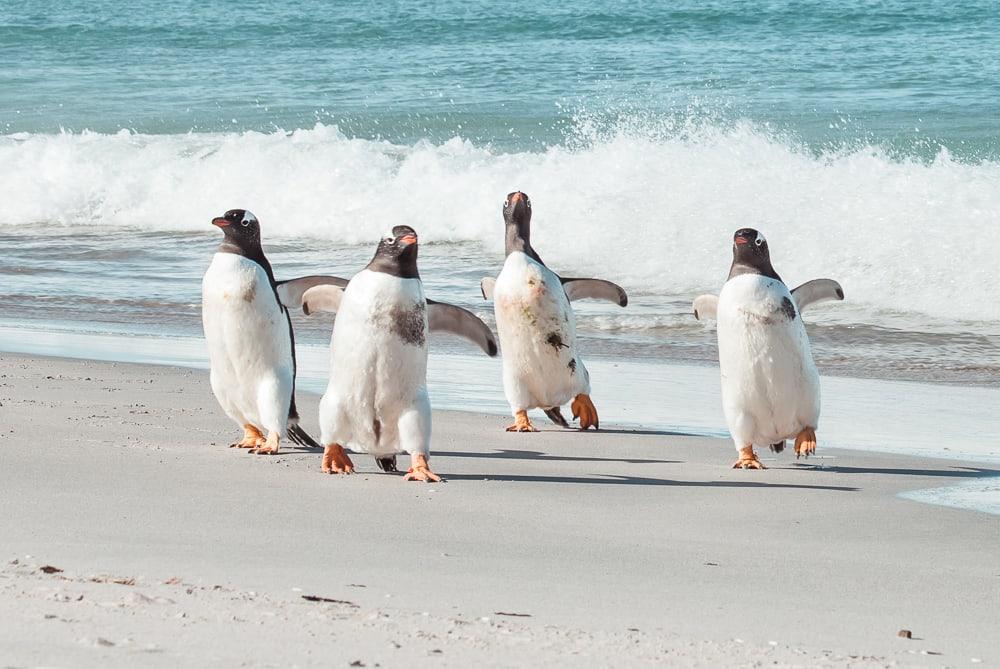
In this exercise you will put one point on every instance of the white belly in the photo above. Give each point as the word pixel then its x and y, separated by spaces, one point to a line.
pixel 541 364
pixel 376 400
pixel 249 344
pixel 770 386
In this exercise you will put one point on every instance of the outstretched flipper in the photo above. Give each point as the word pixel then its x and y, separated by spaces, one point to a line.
pixel 555 415
pixel 325 297
pixel 443 317
pixel 815 291
pixel 706 306
pixel 487 285
pixel 292 291
pixel 598 289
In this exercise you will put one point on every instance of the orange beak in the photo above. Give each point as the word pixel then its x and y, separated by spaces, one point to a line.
pixel 219 221
pixel 408 239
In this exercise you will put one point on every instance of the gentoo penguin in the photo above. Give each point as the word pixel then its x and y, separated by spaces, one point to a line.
pixel 249 335
pixel 770 386
pixel 377 400
pixel 542 367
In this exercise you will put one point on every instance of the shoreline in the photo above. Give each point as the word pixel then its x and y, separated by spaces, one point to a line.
pixel 120 470
pixel 922 419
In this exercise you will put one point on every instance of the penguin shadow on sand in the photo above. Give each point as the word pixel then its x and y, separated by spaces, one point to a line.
pixel 512 454
pixel 946 472
pixel 614 479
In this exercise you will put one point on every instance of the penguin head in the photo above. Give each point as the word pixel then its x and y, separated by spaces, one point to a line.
pixel 517 209
pixel 750 247
pixel 241 228
pixel 397 253
pixel 751 254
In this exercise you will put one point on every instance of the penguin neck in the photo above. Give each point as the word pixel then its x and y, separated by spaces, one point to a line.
pixel 519 239
pixel 403 266
pixel 762 267
pixel 252 252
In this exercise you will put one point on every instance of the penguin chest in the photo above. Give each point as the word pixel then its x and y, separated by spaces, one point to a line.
pixel 768 373
pixel 379 344
pixel 246 331
pixel 532 310
pixel 537 334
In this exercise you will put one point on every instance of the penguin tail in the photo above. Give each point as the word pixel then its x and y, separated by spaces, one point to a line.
pixel 387 464
pixel 778 447
pixel 301 437
pixel 555 415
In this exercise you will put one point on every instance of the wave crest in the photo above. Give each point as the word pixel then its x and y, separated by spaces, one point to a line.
pixel 653 209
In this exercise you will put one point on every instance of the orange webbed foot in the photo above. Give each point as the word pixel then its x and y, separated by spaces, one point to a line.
pixel 336 461
pixel 584 409
pixel 748 460
pixel 805 443
pixel 268 446
pixel 252 438
pixel 521 423
pixel 420 471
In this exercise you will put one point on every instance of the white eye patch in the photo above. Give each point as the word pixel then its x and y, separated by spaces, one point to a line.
pixel 248 218
pixel 760 241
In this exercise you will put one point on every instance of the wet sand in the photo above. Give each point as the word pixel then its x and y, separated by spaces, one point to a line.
pixel 557 548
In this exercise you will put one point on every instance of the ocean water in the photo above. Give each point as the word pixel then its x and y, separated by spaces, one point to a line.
pixel 862 138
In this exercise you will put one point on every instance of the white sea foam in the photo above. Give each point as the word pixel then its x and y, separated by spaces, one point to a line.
pixel 981 494
pixel 657 209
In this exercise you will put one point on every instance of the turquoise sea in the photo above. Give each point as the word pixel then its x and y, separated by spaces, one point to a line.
pixel 863 138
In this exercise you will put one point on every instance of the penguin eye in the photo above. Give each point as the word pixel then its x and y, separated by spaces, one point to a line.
pixel 389 240
pixel 759 242
pixel 245 223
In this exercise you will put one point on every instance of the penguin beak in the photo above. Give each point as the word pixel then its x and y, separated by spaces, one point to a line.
pixel 742 240
pixel 407 240
pixel 219 221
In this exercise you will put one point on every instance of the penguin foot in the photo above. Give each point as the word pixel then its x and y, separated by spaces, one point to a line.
pixel 421 471
pixel 252 438
pixel 584 409
pixel 748 460
pixel 269 446
pixel 336 461
pixel 805 443
pixel 521 423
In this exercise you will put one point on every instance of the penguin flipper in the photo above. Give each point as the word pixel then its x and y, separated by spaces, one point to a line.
pixel 598 289
pixel 555 415
pixel 817 290
pixel 324 297
pixel 442 317
pixel 292 291
pixel 301 437
pixel 706 306
pixel 486 285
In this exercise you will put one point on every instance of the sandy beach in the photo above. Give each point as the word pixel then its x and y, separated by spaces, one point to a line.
pixel 132 534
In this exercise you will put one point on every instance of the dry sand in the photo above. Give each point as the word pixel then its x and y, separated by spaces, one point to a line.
pixel 558 548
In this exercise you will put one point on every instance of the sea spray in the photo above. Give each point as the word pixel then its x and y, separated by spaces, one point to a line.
pixel 651 206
